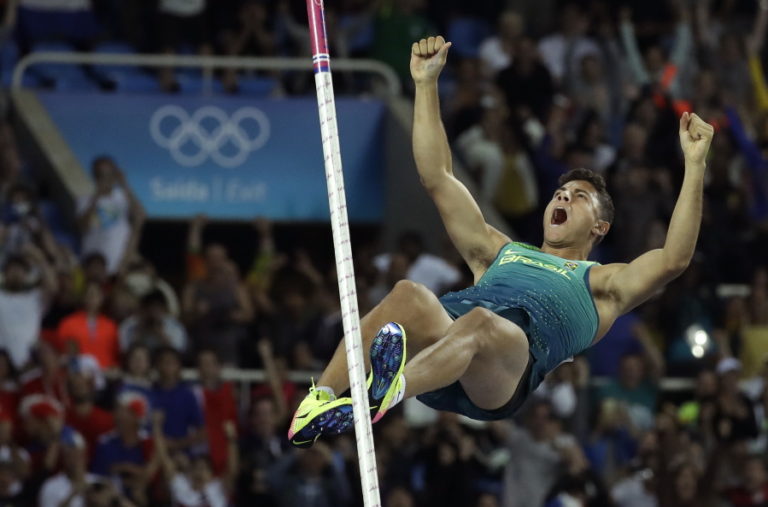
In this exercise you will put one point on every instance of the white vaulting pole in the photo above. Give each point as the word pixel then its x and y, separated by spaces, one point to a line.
pixel 343 249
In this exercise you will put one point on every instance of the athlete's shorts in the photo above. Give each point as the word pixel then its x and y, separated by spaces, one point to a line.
pixel 453 398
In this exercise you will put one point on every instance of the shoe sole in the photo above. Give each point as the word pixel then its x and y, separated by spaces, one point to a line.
pixel 387 364
pixel 335 420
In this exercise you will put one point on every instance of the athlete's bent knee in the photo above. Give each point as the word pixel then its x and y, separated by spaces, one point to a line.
pixel 413 294
pixel 407 287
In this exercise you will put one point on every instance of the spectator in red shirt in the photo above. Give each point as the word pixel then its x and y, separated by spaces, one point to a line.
pixel 89 331
pixel 82 414
pixel 11 454
pixel 9 389
pixel 48 378
pixel 218 401
pixel 43 424
pixel 754 490
pixel 6 429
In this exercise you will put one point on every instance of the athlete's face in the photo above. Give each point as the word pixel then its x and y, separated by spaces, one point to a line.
pixel 572 216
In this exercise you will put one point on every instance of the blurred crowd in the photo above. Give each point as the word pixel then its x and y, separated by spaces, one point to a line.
pixel 96 408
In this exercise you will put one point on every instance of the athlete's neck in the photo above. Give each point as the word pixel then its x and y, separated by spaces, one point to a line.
pixel 573 252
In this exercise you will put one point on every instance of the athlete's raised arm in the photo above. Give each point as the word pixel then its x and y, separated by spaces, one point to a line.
pixel 631 284
pixel 477 242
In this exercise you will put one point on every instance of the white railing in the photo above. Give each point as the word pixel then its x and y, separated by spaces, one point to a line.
pixel 246 378
pixel 206 63
pixel 243 376
pixel 254 376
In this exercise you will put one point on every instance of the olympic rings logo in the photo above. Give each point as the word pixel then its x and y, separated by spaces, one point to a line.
pixel 209 133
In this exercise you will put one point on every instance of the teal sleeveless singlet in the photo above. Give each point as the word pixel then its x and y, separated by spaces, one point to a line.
pixel 547 296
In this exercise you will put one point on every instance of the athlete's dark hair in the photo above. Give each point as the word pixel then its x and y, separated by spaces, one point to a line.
pixel 597 181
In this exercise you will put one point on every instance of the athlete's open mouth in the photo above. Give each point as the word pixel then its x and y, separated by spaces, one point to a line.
pixel 559 216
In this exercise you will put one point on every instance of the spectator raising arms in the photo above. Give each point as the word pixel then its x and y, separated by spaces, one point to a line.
pixel 22 223
pixel 218 401
pixel 215 301
pixel 112 217
pixel 23 301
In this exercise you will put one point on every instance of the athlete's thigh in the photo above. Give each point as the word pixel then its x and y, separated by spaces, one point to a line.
pixel 492 377
pixel 414 307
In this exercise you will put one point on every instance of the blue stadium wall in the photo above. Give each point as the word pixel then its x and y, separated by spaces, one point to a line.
pixel 231 158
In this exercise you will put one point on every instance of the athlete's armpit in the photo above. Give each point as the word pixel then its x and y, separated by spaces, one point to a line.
pixel 629 285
